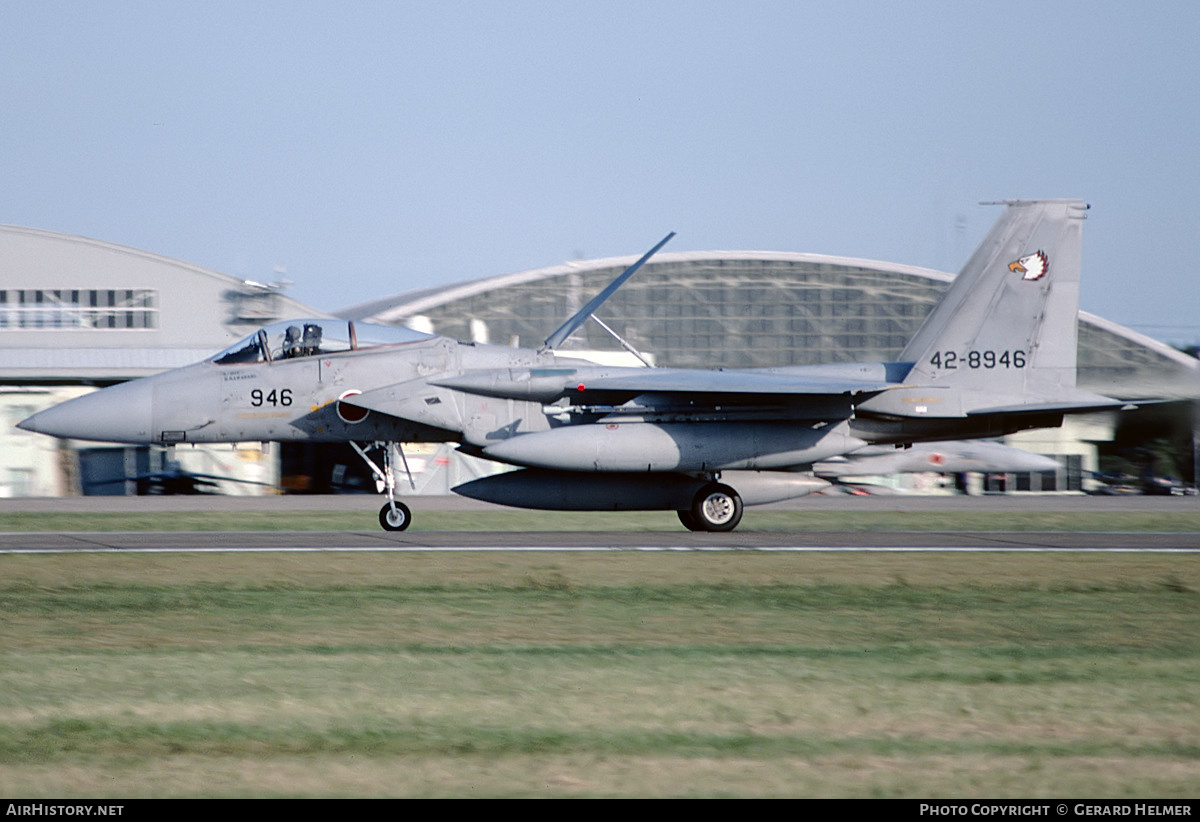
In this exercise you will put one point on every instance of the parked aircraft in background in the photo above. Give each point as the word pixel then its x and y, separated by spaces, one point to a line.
pixel 956 457
pixel 172 479
pixel 996 355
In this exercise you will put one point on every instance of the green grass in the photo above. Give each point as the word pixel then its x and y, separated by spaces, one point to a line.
pixel 523 521
pixel 495 674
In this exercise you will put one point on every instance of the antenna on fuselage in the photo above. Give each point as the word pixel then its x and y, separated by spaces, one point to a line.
pixel 580 317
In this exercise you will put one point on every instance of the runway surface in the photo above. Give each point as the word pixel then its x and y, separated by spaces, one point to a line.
pixel 607 541
pixel 369 503
pixel 745 539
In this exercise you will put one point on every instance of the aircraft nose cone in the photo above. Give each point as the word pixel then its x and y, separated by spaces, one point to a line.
pixel 118 414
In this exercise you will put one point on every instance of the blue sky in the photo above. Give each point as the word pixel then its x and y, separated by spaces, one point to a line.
pixel 369 148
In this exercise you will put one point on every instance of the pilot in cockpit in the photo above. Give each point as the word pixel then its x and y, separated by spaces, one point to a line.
pixel 312 340
pixel 291 343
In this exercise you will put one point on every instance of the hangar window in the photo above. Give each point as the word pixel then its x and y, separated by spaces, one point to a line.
pixel 78 308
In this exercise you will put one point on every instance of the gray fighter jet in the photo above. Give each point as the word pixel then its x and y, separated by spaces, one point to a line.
pixel 996 355
pixel 965 457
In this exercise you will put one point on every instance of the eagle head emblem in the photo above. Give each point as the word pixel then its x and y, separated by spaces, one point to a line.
pixel 1032 266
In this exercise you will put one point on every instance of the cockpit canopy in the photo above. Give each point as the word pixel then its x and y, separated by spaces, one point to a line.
pixel 290 339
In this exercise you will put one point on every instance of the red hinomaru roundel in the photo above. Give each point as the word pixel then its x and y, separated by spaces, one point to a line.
pixel 350 413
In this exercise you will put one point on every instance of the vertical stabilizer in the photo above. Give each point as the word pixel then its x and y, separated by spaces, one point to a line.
pixel 1007 324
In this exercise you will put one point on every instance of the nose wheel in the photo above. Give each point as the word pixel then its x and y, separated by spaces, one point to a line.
pixel 395 516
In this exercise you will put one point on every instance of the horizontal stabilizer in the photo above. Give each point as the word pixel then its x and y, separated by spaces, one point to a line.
pixel 1066 407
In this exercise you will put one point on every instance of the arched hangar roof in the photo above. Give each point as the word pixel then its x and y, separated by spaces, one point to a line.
pixel 750 309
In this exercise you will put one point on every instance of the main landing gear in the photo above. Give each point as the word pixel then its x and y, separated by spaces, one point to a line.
pixel 395 516
pixel 715 507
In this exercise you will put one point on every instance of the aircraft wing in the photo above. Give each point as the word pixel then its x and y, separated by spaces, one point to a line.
pixel 681 392
pixel 689 381
pixel 680 385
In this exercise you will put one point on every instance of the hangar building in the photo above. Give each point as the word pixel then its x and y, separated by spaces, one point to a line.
pixel 76 314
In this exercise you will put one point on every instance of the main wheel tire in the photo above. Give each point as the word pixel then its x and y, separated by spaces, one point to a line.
pixel 396 519
pixel 716 508
pixel 689 520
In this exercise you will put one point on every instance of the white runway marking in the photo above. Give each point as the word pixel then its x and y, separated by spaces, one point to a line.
pixel 411 549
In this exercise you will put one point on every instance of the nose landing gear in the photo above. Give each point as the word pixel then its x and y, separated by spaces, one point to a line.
pixel 395 516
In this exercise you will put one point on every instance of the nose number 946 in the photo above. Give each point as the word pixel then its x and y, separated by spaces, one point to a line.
pixel 276 397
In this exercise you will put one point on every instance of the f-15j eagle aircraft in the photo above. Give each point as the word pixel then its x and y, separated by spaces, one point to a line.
pixel 996 355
